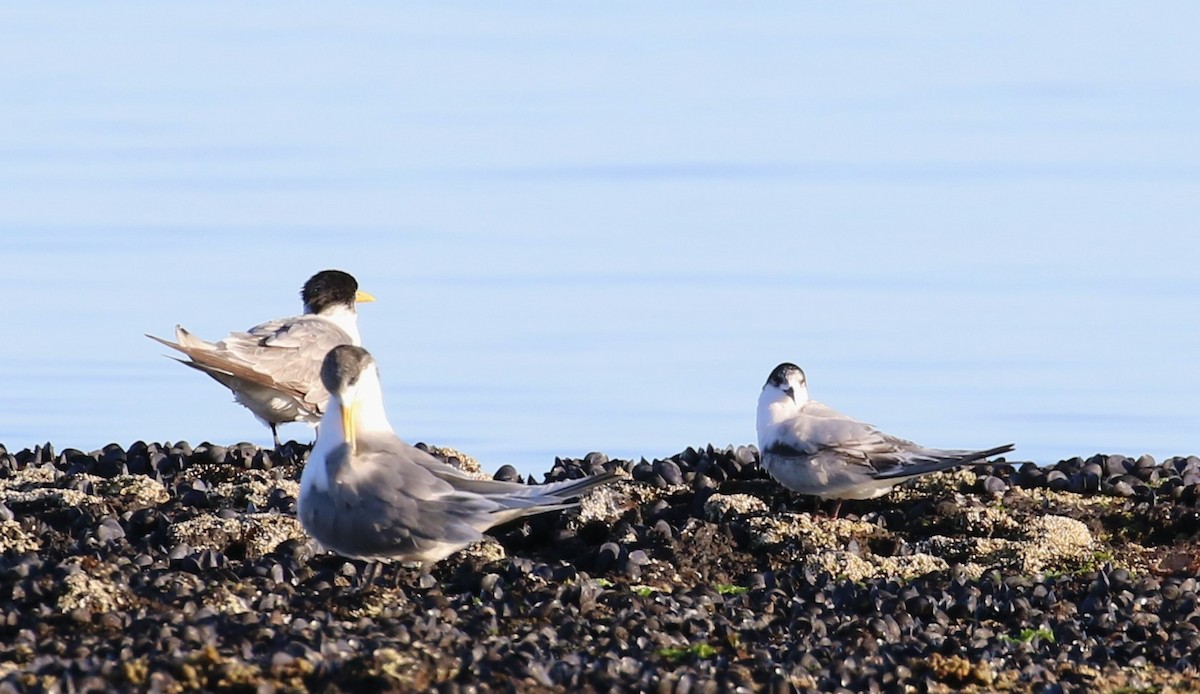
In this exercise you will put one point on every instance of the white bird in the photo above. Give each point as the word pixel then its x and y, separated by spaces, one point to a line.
pixel 366 494
pixel 274 369
pixel 813 449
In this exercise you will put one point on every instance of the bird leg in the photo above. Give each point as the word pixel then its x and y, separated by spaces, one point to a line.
pixel 397 574
pixel 369 574
pixel 275 434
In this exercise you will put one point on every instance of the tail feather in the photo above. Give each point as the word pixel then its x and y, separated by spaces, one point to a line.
pixel 555 496
pixel 570 489
pixel 221 376
pixel 226 370
pixel 976 455
pixel 168 343
pixel 943 460
pixel 190 341
pixel 520 494
pixel 187 342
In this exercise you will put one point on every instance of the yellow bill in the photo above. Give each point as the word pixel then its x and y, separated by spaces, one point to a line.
pixel 348 426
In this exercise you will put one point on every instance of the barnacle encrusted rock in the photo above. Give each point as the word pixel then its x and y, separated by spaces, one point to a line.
pixel 809 533
pixel 609 502
pixel 720 506
pixel 841 564
pixel 255 487
pixel 937 484
pixel 486 550
pixel 1044 542
pixel 821 544
pixel 460 461
pixel 137 491
pixel 14 537
pixel 47 484
pixel 260 533
pixel 92 592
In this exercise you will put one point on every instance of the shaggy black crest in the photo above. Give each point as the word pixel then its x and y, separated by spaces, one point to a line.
pixel 328 288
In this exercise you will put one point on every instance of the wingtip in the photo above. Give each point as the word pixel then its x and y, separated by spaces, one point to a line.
pixel 998 450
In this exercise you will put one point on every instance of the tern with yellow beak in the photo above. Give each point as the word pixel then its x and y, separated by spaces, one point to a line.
pixel 366 494
pixel 274 369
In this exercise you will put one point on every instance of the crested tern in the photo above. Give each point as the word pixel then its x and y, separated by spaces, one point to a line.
pixel 274 368
pixel 366 494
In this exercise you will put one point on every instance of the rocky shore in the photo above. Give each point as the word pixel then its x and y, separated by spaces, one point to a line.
pixel 164 567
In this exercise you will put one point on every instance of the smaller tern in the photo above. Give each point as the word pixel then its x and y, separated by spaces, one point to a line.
pixel 811 448
pixel 366 494
pixel 274 369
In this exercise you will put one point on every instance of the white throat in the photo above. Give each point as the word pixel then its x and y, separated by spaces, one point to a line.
pixel 369 415
pixel 775 406
pixel 346 318
pixel 329 437
pixel 369 418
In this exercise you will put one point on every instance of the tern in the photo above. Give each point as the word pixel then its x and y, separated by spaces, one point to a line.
pixel 366 494
pixel 274 369
pixel 813 449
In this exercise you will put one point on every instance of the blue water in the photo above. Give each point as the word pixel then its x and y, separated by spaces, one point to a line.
pixel 599 227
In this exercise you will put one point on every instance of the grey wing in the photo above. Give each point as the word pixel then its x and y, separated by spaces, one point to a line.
pixel 420 509
pixel 891 457
pixel 511 495
pixel 383 506
pixel 823 429
pixel 290 351
pixel 394 500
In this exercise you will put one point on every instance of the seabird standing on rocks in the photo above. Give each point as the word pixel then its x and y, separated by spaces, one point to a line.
pixel 366 494
pixel 811 448
pixel 274 369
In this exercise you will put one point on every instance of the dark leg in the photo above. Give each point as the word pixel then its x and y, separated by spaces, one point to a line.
pixel 369 574
pixel 275 433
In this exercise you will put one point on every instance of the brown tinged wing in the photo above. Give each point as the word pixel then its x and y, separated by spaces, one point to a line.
pixel 230 373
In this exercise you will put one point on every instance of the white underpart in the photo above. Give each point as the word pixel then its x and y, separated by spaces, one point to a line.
pixel 775 407
pixel 329 436
pixel 269 407
pixel 369 417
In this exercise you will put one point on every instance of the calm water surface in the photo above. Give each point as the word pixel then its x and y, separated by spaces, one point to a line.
pixel 592 227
